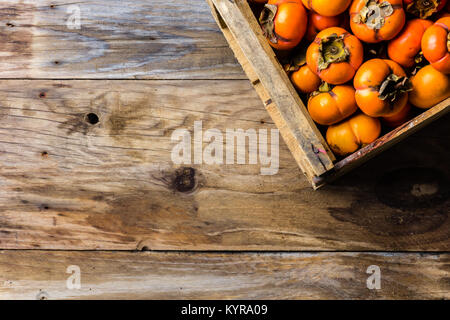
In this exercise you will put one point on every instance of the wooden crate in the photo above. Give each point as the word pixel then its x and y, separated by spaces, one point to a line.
pixel 309 148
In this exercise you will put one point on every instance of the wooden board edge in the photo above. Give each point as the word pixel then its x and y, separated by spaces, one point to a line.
pixel 385 142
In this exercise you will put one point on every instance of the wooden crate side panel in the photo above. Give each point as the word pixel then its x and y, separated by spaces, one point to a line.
pixel 284 105
pixel 388 140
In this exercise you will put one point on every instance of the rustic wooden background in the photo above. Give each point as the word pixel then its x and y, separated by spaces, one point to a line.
pixel 106 196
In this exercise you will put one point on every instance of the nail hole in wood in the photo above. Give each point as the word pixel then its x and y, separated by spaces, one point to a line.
pixel 92 118
pixel 42 95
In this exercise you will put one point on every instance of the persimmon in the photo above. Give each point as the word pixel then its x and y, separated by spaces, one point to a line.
pixel 317 23
pixel 406 48
pixel 401 117
pixel 429 87
pixel 284 23
pixel 335 55
pixel 374 21
pixel 347 137
pixel 326 7
pixel 381 88
pixel 305 80
pixel 424 8
pixel 332 105
pixel 302 77
pixel 436 45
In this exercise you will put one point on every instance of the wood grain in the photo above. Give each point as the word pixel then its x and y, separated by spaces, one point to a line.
pixel 152 275
pixel 117 39
pixel 66 184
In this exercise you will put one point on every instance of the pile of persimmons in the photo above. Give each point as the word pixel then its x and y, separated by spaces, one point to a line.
pixel 362 65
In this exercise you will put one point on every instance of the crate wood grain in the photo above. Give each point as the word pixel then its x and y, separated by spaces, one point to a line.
pixel 67 184
pixel 155 275
pixel 245 37
pixel 117 39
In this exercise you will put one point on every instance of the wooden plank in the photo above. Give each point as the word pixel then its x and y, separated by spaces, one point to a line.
pixel 67 184
pixel 153 275
pixel 284 105
pixel 138 39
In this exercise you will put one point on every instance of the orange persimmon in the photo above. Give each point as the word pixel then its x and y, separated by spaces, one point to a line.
pixel 335 55
pixel 436 45
pixel 399 118
pixel 381 88
pixel 332 105
pixel 317 23
pixel 406 47
pixel 284 23
pixel 374 21
pixel 326 7
pixel 305 80
pixel 347 137
pixel 429 87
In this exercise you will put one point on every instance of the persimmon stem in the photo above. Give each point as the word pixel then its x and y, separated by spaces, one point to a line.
pixel 393 86
pixel 267 20
pixel 332 49
pixel 373 14
pixel 423 8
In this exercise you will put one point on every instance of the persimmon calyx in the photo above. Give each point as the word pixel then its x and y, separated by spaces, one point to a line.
pixel 448 41
pixel 423 8
pixel 419 58
pixel 324 88
pixel 374 14
pixel 332 50
pixel 297 61
pixel 393 86
pixel 420 62
pixel 267 21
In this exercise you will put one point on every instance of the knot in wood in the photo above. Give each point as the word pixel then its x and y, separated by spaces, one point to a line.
pixel 185 180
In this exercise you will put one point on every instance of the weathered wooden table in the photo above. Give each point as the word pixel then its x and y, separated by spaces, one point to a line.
pixel 87 110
